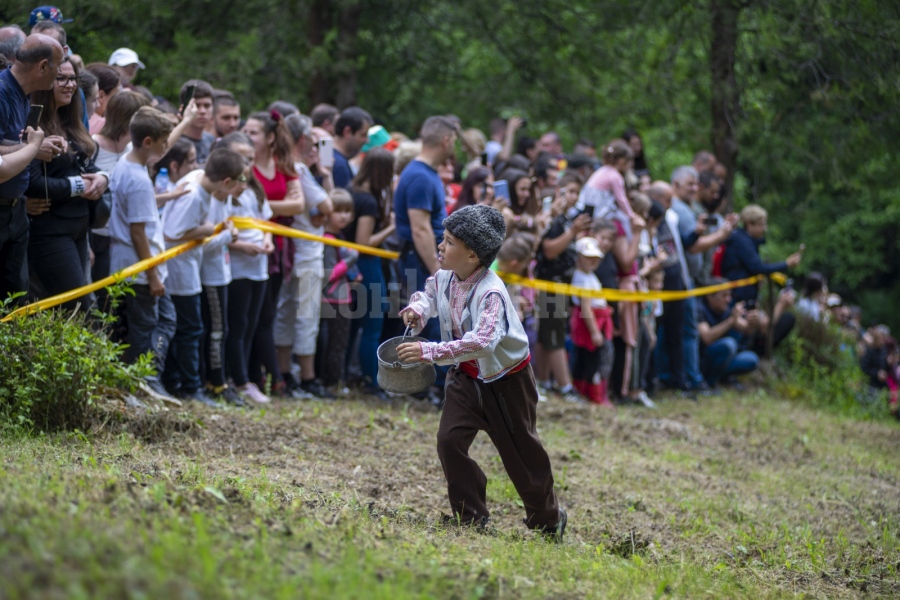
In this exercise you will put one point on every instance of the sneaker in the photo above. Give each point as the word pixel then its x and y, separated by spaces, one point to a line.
pixel 201 397
pixel 644 400
pixel 228 394
pixel 316 389
pixel 373 390
pixel 158 389
pixel 542 397
pixel 574 397
pixel 251 392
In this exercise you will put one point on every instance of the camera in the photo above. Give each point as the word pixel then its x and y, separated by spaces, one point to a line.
pixel 750 305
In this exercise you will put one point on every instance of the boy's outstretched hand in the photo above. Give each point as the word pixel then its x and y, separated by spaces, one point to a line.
pixel 410 352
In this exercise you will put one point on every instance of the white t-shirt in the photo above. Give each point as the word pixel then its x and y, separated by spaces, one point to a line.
pixel 314 194
pixel 243 265
pixel 588 281
pixel 134 201
pixel 215 269
pixel 180 216
pixel 106 161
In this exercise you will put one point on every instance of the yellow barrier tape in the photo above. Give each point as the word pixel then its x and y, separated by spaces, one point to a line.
pixel 276 229
pixel 623 295
pixel 138 267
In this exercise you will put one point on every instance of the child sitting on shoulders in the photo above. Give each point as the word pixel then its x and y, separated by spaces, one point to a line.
pixel 491 386
pixel 591 326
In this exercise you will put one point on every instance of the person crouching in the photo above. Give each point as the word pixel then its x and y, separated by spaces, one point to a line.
pixel 491 386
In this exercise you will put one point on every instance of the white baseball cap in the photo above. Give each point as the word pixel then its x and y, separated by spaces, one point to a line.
pixel 124 57
pixel 588 246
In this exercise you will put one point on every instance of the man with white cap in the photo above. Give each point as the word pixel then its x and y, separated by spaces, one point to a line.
pixel 126 63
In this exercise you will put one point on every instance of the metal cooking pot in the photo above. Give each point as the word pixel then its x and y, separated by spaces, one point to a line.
pixel 399 377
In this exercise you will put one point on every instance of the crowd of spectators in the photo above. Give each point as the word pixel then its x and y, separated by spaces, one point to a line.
pixel 111 173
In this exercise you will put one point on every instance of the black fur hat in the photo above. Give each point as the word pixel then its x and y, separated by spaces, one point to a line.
pixel 481 228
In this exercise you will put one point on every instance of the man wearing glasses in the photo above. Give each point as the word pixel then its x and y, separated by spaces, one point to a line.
pixel 37 61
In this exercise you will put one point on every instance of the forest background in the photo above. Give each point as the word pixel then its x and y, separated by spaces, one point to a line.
pixel 798 97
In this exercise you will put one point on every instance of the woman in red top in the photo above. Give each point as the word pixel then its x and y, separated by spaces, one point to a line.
pixel 274 169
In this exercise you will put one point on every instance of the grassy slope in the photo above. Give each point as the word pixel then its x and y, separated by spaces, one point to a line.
pixel 734 497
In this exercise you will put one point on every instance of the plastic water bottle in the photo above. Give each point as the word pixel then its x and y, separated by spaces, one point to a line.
pixel 162 181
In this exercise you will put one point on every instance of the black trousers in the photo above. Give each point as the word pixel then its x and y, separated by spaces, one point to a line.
pixel 331 347
pixel 58 256
pixel 245 299
pixel 214 307
pixel 13 250
pixel 262 350
pixel 506 410
pixel 672 325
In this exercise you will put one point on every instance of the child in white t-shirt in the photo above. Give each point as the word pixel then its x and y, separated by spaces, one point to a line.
pixel 136 234
pixel 184 219
pixel 591 326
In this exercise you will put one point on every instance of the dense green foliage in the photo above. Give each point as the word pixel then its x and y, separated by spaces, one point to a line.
pixel 815 123
pixel 54 368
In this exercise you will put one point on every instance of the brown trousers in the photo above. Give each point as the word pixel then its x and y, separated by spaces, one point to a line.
pixel 506 410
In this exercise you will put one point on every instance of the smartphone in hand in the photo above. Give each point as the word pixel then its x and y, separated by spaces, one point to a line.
pixel 186 97
pixel 326 153
pixel 501 189
pixel 34 119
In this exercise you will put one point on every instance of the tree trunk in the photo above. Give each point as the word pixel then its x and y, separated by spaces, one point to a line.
pixel 725 93
pixel 348 28
pixel 317 26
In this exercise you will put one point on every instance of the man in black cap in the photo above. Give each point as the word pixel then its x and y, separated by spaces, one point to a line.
pixel 490 386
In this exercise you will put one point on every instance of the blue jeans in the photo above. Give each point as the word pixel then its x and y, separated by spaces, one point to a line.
pixel 183 361
pixel 691 341
pixel 724 357
pixel 151 325
pixel 371 303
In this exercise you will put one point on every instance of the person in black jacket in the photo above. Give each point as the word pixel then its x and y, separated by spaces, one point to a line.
pixel 59 193
pixel 741 256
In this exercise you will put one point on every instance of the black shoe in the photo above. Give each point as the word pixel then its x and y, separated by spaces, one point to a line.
pixel 316 389
pixel 555 534
pixel 229 395
pixel 374 390
pixel 201 397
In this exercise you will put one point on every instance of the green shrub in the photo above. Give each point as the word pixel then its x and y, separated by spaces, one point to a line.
pixel 54 366
pixel 817 363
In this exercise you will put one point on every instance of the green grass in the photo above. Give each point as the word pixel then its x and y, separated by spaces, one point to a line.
pixel 737 497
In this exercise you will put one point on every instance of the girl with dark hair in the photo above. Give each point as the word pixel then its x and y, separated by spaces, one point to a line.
pixel 478 188
pixel 59 192
pixel 637 147
pixel 373 222
pixel 249 272
pixel 524 212
pixel 815 290
pixel 273 167
pixel 108 84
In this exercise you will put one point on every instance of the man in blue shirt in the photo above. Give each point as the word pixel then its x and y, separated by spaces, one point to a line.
pixel 37 61
pixel 420 212
pixel 351 132
pixel 721 329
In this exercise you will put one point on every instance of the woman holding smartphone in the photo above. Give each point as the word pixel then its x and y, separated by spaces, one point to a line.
pixel 60 192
